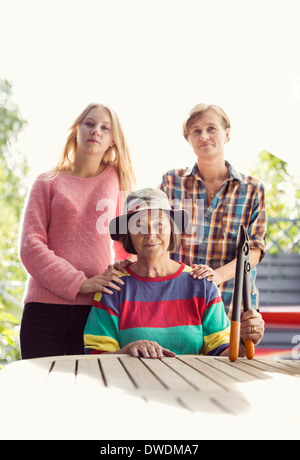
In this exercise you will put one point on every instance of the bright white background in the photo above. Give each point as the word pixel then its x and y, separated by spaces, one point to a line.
pixel 153 61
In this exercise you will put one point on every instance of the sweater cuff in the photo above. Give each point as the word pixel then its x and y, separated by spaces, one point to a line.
pixel 73 289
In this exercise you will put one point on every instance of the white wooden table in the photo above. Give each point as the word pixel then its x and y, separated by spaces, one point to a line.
pixel 120 397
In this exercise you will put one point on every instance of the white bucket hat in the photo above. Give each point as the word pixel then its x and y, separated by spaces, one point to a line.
pixel 147 199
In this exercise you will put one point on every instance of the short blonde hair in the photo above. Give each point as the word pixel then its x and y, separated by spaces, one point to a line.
pixel 197 113
pixel 117 155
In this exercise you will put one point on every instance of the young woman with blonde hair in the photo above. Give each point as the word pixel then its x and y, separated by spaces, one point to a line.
pixel 65 244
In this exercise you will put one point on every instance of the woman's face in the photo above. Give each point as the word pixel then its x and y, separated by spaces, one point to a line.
pixel 150 233
pixel 94 134
pixel 208 136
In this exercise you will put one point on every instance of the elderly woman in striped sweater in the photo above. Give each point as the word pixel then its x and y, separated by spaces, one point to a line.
pixel 161 310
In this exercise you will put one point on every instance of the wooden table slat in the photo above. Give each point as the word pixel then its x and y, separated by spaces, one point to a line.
pixel 190 373
pixel 272 367
pixel 223 381
pixel 233 403
pixel 293 364
pixel 245 365
pixel 141 374
pixel 89 372
pixel 225 367
pixel 201 403
pixel 115 375
pixel 292 370
pixel 169 378
pixel 162 397
pixel 62 373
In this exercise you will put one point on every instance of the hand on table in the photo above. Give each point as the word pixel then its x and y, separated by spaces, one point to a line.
pixel 146 349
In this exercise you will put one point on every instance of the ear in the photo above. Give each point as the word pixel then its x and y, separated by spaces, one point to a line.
pixel 227 135
pixel 188 139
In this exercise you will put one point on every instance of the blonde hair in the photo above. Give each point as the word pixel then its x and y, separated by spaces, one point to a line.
pixel 117 155
pixel 198 111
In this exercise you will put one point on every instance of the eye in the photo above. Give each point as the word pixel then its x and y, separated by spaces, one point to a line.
pixel 142 226
pixel 159 226
pixel 196 132
pixel 211 128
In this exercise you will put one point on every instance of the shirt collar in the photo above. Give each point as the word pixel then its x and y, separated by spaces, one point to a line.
pixel 233 174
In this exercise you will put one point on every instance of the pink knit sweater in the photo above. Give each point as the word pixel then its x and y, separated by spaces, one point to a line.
pixel 65 237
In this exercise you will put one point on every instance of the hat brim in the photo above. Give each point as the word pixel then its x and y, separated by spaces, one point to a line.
pixel 119 225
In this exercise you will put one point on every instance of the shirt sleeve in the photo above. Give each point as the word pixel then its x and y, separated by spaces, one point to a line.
pixel 165 186
pixel 101 333
pixel 215 322
pixel 258 222
pixel 49 270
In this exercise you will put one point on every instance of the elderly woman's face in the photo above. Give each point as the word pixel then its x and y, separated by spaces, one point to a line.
pixel 150 233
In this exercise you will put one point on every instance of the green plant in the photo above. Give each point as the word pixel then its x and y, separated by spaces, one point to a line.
pixel 282 196
pixel 13 173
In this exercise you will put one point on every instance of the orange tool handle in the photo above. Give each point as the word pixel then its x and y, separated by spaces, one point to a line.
pixel 234 344
pixel 250 349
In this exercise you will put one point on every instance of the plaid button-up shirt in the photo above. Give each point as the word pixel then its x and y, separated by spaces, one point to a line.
pixel 212 233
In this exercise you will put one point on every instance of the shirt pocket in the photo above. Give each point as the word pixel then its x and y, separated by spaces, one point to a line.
pixel 231 220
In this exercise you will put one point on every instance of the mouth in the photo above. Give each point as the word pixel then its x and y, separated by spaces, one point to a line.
pixel 93 141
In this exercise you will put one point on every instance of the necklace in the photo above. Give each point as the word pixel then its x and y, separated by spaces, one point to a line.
pixel 214 192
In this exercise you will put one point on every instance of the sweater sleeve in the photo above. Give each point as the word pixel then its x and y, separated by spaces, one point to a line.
pixel 101 333
pixel 49 270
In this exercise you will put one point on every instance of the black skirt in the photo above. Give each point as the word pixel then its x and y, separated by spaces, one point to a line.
pixel 52 329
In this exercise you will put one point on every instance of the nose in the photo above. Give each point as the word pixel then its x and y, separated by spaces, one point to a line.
pixel 151 232
pixel 204 135
pixel 95 131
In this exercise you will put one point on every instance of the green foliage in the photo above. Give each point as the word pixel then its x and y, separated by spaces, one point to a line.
pixel 13 172
pixel 282 194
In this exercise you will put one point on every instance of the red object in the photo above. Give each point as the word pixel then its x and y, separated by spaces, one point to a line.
pixel 276 353
pixel 283 317
pixel 279 318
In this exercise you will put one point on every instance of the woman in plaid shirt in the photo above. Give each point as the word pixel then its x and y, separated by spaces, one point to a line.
pixel 218 200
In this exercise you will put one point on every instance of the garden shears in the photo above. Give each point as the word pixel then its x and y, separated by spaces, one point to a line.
pixel 241 293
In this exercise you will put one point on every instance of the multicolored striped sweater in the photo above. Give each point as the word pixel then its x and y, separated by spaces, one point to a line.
pixel 182 314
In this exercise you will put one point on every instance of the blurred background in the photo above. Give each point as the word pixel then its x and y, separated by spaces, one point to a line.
pixel 152 61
